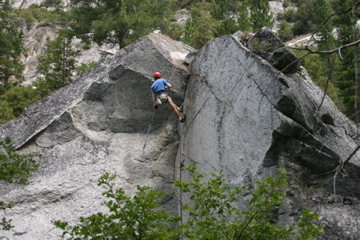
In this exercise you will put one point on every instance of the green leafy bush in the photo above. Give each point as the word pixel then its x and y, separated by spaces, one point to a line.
pixel 52 3
pixel 129 218
pixel 17 99
pixel 286 3
pixel 212 212
pixel 6 112
pixel 11 47
pixel 84 68
pixel 285 32
pixel 288 15
pixel 5 224
pixel 14 167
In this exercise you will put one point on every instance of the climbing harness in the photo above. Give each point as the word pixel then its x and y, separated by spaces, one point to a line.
pixel 148 131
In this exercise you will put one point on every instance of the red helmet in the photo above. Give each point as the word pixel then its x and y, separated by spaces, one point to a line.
pixel 157 74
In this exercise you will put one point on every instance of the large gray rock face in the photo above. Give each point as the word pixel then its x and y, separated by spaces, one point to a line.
pixel 97 124
pixel 246 119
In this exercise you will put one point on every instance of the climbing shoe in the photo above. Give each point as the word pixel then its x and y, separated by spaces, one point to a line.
pixel 182 118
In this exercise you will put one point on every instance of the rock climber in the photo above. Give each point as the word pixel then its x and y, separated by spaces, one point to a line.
pixel 160 96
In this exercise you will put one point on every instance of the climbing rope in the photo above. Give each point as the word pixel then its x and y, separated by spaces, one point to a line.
pixel 148 131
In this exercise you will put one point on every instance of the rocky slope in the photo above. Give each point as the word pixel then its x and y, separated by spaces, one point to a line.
pixel 94 125
pixel 244 117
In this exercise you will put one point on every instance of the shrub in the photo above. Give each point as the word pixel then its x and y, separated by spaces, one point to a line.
pixel 213 213
pixel 129 218
pixel 5 224
pixel 6 112
pixel 285 33
pixel 286 3
pixel 288 15
pixel 84 68
pixel 14 167
pixel 18 98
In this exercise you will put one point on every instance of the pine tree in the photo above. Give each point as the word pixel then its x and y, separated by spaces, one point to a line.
pixel 58 63
pixel 304 17
pixel 224 11
pixel 6 6
pixel 260 15
pixel 243 17
pixel 347 78
pixel 11 47
pixel 325 39
pixel 285 32
pixel 6 112
pixel 118 21
pixel 201 27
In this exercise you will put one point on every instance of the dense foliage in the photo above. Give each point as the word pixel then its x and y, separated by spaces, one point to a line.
pixel 333 23
pixel 58 68
pixel 260 14
pixel 14 168
pixel 128 218
pixel 213 213
pixel 214 210
pixel 118 21
pixel 58 63
pixel 11 47
pixel 347 68
pixel 5 224
pixel 220 17
pixel 15 100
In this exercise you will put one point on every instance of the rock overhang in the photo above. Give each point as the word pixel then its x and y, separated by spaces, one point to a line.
pixel 121 82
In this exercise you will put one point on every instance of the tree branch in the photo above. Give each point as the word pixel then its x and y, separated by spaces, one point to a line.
pixel 332 15
pixel 351 155
pixel 328 51
pixel 340 168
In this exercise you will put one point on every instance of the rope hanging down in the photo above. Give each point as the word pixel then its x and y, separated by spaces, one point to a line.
pixel 148 131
